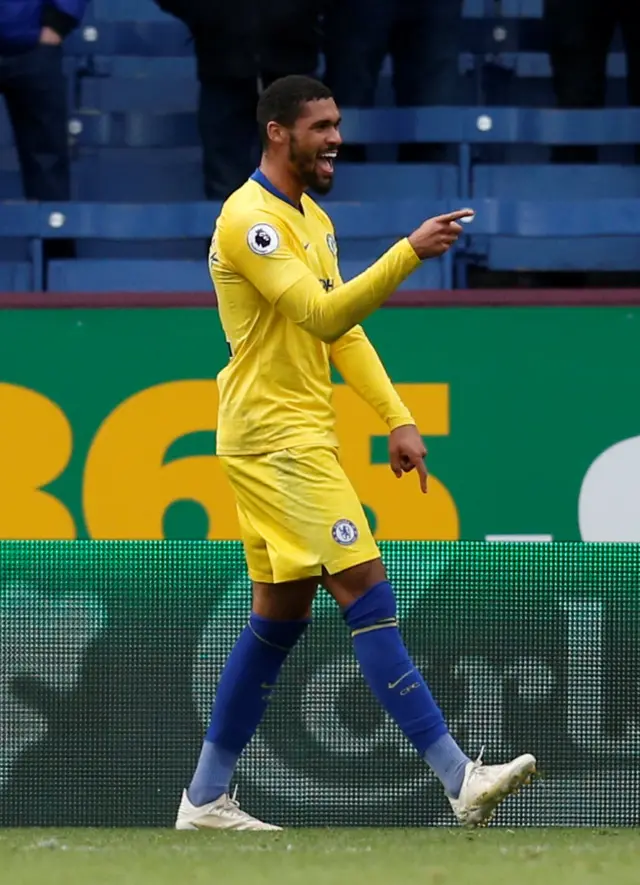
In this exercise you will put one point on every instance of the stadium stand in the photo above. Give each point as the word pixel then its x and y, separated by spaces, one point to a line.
pixel 134 137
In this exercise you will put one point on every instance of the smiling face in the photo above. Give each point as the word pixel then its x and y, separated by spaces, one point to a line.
pixel 313 142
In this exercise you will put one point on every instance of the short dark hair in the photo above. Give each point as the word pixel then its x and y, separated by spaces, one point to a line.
pixel 282 101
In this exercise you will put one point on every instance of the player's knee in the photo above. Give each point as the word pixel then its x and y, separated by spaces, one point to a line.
pixel 353 583
pixel 284 602
pixel 376 608
pixel 280 634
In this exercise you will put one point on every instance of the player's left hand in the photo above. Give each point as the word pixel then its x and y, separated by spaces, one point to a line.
pixel 406 451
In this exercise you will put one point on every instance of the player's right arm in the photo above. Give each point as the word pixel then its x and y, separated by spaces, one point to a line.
pixel 263 253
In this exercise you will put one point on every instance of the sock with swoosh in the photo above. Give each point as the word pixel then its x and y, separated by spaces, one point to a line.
pixel 247 681
pixel 398 686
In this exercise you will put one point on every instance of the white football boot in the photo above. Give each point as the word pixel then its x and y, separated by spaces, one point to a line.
pixel 485 786
pixel 223 814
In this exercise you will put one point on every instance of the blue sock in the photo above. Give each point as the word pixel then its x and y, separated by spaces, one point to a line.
pixel 448 761
pixel 244 691
pixel 399 687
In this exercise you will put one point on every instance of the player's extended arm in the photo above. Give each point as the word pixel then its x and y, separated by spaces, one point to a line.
pixel 288 283
pixel 329 317
pixel 356 359
pixel 263 254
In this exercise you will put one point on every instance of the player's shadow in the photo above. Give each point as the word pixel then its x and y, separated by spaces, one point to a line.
pixel 122 743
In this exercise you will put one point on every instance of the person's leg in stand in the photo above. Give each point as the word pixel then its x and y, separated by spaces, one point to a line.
pixel 36 95
pixel 425 45
pixel 226 118
pixel 630 24
pixel 579 34
pixel 356 40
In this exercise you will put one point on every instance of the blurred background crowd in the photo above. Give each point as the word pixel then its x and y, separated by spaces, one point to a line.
pixel 85 84
pixel 243 45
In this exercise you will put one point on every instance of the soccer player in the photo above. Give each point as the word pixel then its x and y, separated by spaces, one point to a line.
pixel 287 316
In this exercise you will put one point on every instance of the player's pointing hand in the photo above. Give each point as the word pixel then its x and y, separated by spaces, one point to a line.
pixel 407 452
pixel 436 235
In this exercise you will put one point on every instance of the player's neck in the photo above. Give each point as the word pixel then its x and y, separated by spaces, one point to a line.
pixel 282 180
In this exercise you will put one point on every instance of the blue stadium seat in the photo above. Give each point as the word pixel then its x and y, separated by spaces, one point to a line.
pixel 128 66
pixel 507 8
pixel 135 130
pixel 559 253
pixel 556 218
pixel 522 8
pixel 553 182
pixel 127 10
pixel 502 235
pixel 462 126
pixel 16 276
pixel 122 275
pixel 359 221
pixel 20 220
pixel 20 247
pixel 366 220
pixel 363 233
pixel 126 232
pixel 159 275
pixel 161 175
pixel 158 95
pixel 403 125
pixel 571 234
pixel 123 222
pixel 150 38
pixel 491 125
pixel 393 181
pixel 121 175
pixel 129 240
pixel 10 182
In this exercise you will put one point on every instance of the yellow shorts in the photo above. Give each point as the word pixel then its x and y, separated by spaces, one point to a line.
pixel 298 513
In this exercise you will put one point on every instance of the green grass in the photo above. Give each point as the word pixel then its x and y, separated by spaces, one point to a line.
pixel 316 857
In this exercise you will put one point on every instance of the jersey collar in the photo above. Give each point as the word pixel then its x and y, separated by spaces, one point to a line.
pixel 264 182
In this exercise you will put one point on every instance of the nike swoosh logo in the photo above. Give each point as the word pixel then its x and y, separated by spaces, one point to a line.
pixel 398 681
pixel 267 687
pixel 307 246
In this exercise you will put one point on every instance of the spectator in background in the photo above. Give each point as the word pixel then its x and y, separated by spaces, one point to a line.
pixel 580 33
pixel 34 88
pixel 423 39
pixel 241 47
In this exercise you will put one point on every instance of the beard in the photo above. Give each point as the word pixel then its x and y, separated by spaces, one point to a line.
pixel 304 165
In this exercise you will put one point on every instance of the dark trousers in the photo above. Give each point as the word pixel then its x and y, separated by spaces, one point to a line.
pixel 580 33
pixel 423 39
pixel 34 88
pixel 229 132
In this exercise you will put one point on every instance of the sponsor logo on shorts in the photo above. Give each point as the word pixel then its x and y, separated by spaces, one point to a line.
pixel 344 532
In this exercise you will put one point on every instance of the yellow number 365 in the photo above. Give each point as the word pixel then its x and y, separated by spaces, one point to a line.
pixel 127 485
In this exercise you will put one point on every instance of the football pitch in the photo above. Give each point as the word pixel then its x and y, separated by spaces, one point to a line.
pixel 307 857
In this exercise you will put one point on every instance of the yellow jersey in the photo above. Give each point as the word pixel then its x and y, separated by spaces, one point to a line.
pixel 287 316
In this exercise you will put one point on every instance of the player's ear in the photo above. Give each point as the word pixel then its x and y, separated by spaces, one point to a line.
pixel 277 133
